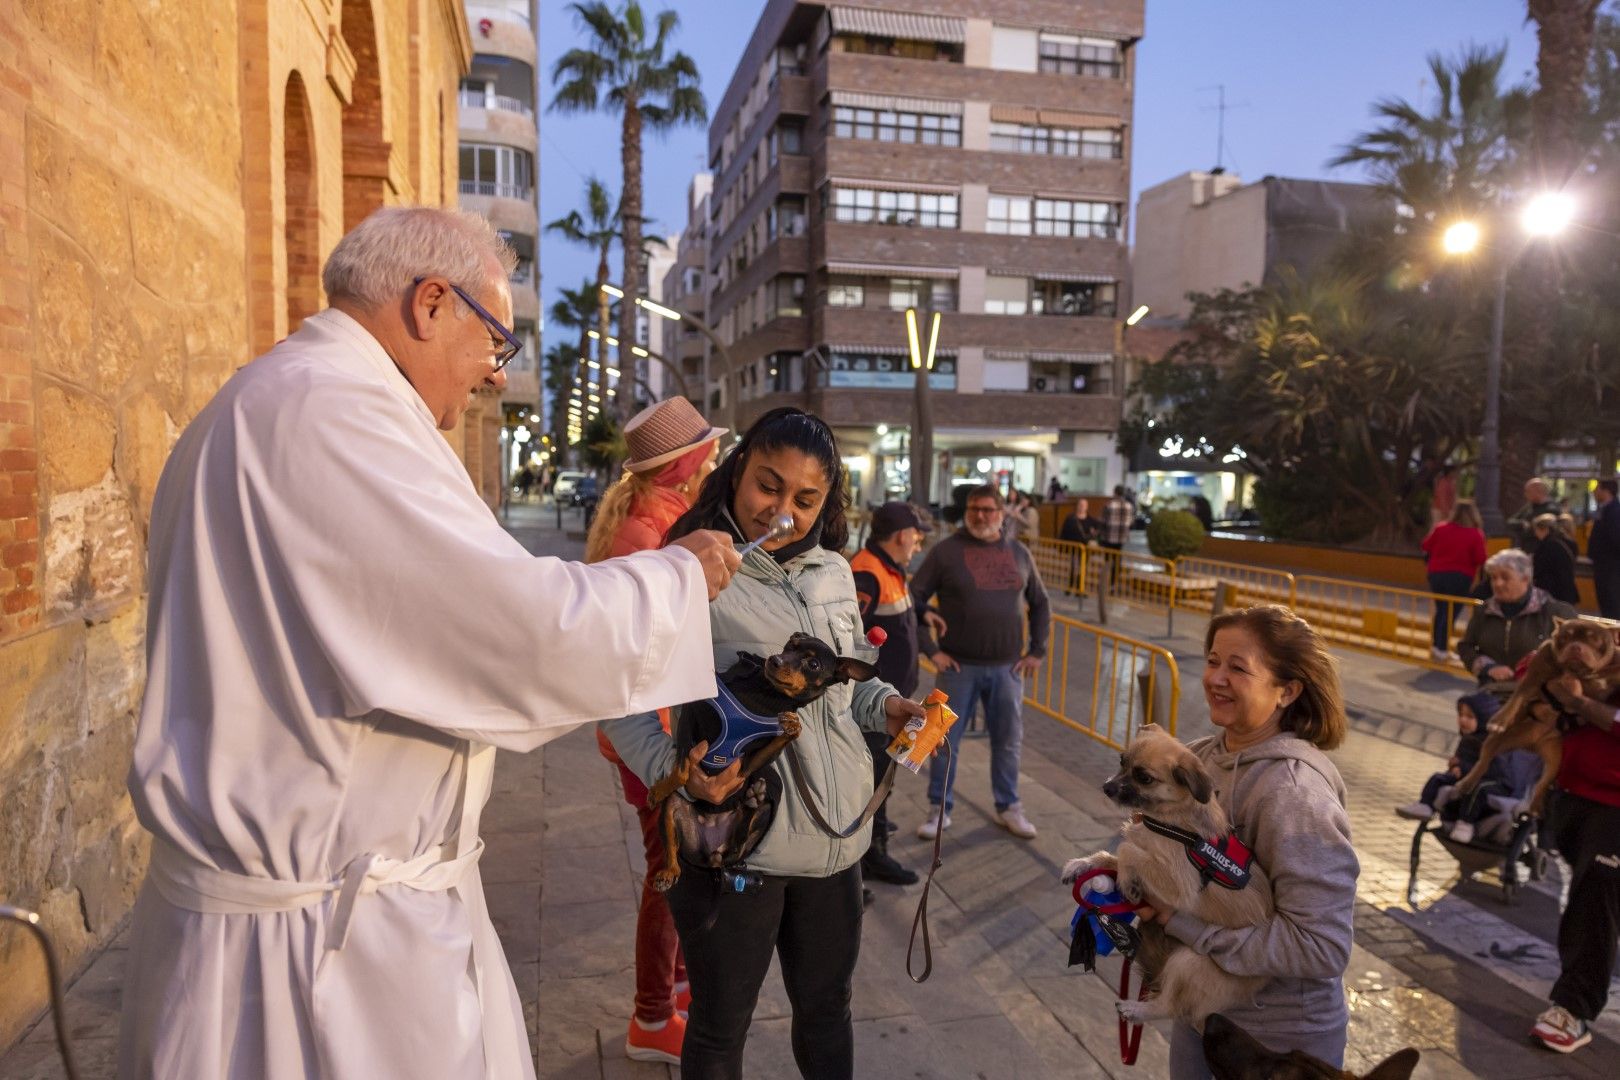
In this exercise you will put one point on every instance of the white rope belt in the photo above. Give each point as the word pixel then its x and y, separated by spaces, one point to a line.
pixel 195 886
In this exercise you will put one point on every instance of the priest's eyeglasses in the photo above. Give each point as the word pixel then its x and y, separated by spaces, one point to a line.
pixel 509 344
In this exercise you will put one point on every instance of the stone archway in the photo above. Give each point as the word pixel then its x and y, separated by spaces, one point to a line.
pixel 302 222
pixel 365 151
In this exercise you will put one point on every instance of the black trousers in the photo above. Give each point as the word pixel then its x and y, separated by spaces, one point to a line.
pixel 1606 583
pixel 1447 583
pixel 813 925
pixel 1587 834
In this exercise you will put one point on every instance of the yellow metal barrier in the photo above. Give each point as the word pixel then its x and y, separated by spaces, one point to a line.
pixel 1068 567
pixel 1379 619
pixel 1204 584
pixel 1103 684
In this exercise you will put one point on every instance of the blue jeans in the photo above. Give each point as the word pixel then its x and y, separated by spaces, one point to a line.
pixel 1002 693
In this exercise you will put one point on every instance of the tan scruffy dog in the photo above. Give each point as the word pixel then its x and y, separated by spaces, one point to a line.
pixel 1582 649
pixel 1165 785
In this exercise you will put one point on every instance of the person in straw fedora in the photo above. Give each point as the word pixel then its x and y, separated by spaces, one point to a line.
pixel 672 448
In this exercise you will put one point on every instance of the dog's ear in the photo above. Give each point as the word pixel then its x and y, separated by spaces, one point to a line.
pixel 1150 729
pixel 1195 780
pixel 853 670
pixel 797 639
pixel 1559 620
pixel 1615 634
pixel 1398 1066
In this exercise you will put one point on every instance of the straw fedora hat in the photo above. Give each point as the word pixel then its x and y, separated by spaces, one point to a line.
pixel 663 432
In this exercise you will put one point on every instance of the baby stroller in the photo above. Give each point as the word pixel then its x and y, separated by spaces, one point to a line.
pixel 1507 837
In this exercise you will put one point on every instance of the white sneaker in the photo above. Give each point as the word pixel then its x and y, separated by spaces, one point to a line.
pixel 1462 831
pixel 1418 811
pixel 931 825
pixel 1440 655
pixel 1557 1029
pixel 1013 820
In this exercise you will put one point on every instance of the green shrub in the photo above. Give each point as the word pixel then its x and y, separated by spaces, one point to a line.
pixel 1174 533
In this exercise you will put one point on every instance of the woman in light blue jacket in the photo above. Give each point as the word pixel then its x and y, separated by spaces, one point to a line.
pixel 808 908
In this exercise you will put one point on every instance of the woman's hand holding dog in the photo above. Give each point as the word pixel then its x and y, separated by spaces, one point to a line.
pixel 897 710
pixel 714 789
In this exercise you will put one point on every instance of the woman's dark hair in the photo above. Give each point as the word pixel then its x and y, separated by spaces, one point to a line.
pixel 780 429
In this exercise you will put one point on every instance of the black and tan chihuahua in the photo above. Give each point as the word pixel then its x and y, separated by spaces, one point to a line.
pixel 753 718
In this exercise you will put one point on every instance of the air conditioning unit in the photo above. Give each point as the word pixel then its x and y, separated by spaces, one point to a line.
pixel 1039 383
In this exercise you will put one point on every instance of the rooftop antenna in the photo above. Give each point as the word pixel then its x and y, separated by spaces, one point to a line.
pixel 1221 109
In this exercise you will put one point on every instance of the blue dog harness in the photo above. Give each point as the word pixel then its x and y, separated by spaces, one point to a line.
pixel 739 729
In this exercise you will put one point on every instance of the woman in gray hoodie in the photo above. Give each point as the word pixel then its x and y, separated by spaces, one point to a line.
pixel 1273 689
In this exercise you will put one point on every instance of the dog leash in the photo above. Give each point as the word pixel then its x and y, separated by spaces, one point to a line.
pixel 872 804
pixel 1126 940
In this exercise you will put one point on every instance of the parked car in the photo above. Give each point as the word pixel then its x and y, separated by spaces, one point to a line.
pixel 584 491
pixel 564 489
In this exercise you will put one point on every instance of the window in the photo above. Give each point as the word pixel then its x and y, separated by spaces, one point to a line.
pixel 905 293
pixel 884 125
pixel 1075 298
pixel 784 295
pixel 785 218
pixel 874 45
pixel 1062 54
pixel 942 294
pixel 786 138
pixel 846 292
pixel 1009 215
pixel 1035 139
pixel 1102 143
pixel 1063 217
pixel 496 170
pixel 922 209
pixel 1067 377
pixel 1005 295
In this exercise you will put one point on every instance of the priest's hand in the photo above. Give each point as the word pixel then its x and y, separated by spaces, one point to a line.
pixel 717 555
pixel 714 789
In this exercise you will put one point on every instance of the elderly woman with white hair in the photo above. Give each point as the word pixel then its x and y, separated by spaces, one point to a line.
pixel 1512 622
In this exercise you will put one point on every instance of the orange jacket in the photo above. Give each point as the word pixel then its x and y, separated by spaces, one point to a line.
pixel 643 529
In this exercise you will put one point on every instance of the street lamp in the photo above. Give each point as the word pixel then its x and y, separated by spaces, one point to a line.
pixel 674 315
pixel 922 434
pixel 1544 216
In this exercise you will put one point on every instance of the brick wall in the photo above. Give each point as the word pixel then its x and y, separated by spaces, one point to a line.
pixel 154 236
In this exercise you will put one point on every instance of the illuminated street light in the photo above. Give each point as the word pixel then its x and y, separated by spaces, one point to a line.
pixel 594 336
pixel 613 290
pixel 1544 215
pixel 1137 315
pixel 1548 214
pixel 1460 238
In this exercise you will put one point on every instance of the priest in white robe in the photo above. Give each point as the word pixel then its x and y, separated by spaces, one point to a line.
pixel 340 633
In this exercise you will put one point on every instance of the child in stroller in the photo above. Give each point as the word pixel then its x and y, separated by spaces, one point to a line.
pixel 1509 779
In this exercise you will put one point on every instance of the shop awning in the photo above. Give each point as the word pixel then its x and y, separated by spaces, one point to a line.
pixel 1065 119
pixel 932 106
pixel 904 25
pixel 1085 276
pixel 885 350
pixel 893 270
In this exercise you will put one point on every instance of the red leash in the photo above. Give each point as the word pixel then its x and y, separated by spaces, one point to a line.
pixel 1130 1035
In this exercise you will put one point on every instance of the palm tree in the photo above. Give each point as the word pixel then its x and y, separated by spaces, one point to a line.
pixel 1451 161
pixel 597 229
pixel 620 69
pixel 577 310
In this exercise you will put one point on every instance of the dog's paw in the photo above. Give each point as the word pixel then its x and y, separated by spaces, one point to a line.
pixel 790 724
pixel 1135 1012
pixel 664 880
pixel 1073 869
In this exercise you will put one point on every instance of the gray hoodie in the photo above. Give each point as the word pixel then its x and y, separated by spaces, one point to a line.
pixel 1286 801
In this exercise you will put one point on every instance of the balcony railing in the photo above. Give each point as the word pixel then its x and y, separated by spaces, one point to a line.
pixel 499 190
pixel 472 100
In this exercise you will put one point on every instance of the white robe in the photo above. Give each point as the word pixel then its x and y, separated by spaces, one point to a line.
pixel 336 619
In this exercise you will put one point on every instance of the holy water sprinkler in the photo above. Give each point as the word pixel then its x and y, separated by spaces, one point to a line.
pixel 781 526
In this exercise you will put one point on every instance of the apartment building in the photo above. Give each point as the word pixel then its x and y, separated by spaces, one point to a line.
pixel 499 132
pixel 969 157
pixel 685 290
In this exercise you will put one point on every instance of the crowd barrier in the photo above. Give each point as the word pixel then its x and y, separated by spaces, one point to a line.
pixel 1104 684
pixel 1383 620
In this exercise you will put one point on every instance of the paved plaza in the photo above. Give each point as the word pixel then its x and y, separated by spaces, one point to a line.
pixel 1460 977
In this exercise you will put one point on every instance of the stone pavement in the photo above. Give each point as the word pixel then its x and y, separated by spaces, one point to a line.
pixel 1460 976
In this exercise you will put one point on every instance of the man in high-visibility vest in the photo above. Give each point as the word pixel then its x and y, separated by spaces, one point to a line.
pixel 883 589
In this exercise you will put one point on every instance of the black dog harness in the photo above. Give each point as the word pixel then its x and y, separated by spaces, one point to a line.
pixel 1224 861
pixel 739 729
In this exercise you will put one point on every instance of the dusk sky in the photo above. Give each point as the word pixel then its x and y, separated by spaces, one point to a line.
pixel 1300 78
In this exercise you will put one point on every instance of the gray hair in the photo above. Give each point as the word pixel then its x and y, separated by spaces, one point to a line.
pixel 377 261
pixel 1512 560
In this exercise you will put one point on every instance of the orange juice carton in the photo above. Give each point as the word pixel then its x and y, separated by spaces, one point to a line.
pixel 923 734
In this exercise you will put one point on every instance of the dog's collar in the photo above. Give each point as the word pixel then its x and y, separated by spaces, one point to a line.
pixel 1224 861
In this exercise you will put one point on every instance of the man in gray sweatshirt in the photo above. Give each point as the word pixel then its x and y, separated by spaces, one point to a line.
pixel 985 583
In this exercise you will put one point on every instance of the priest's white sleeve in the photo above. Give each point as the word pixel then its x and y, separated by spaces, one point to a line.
pixel 419 604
